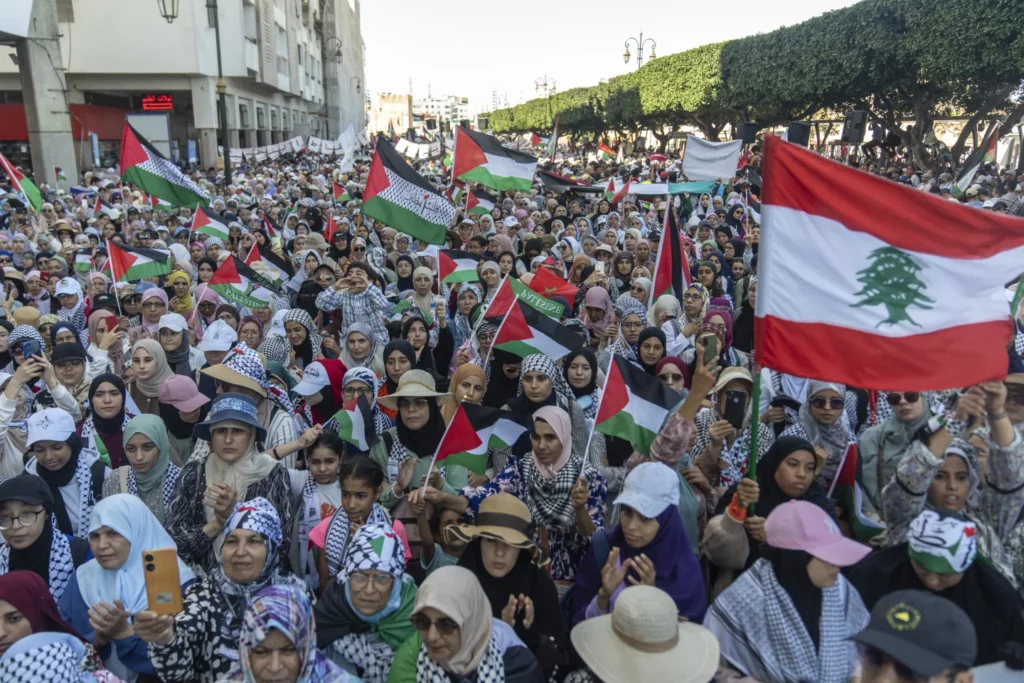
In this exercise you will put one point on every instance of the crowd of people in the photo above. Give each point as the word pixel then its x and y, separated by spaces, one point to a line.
pixel 156 414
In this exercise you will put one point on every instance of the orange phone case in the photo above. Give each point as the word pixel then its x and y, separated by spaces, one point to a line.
pixel 163 585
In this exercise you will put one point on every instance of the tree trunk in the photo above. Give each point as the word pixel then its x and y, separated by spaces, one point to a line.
pixel 986 107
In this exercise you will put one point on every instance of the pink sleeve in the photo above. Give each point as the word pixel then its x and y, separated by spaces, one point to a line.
pixel 318 536
pixel 400 530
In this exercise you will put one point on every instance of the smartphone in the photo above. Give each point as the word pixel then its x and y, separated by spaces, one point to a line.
pixel 31 348
pixel 735 407
pixel 599 267
pixel 163 585
pixel 710 348
pixel 111 322
pixel 169 291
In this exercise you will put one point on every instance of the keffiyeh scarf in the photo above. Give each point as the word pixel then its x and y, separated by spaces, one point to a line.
pixel 61 565
pixel 490 670
pixel 550 500
pixel 336 541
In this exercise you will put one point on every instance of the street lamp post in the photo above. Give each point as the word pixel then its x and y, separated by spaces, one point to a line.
pixel 640 43
pixel 359 83
pixel 337 53
pixel 169 11
pixel 546 84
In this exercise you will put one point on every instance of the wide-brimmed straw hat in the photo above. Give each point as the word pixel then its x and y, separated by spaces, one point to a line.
pixel 643 640
pixel 502 517
pixel 414 384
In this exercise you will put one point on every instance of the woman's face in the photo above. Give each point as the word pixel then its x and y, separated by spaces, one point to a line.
pixel 357 498
pixel 70 373
pixel 142 453
pixel 417 335
pixel 651 351
pixel 951 485
pixel 144 363
pixel 52 454
pixel 738 269
pixel 490 277
pixel 415 411
pixel 243 555
pixel 229 443
pixel 229 318
pixel 492 244
pixel 536 386
pixel 643 251
pixel 404 268
pixel 637 291
pixel 66 336
pixel 358 345
pixel 795 473
pixel 300 242
pixel 467 300
pixel 3 338
pixel 547 447
pixel 610 237
pixel 826 407
pixel 440 634
pixel 152 309
pixel 275 659
pixel 180 288
pixel 722 239
pixel 705 251
pixel 630 242
pixel 170 340
pixel 323 465
pixel 296 333
pixel 632 326
pixel 714 259
pixel 570 230
pixel 250 334
pixel 107 400
pixel 638 530
pixel 506 264
pixel 20 536
pixel 13 625
pixel 97 286
pixel 196 252
pixel 421 283
pixel 752 294
pixel 396 365
pixel 245 243
pixel 485 339
pixel 821 573
pixel 310 264
pixel 68 301
pixel 706 276
pixel 729 250
pixel 622 267
pixel 499 557
pixel 109 548
pixel 580 373
pixel 672 375
pixel 907 410
pixel 470 390
pixel 370 590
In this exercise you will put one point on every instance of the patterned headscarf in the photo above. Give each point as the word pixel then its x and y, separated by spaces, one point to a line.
pixel 705 300
pixel 274 349
pixel 540 363
pixel 288 610
pixel 944 544
pixel 20 334
pixel 337 538
pixel 297 315
pixel 45 658
pixel 374 546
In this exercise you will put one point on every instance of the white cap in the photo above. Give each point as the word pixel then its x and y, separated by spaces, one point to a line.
pixel 51 424
pixel 67 285
pixel 649 489
pixel 114 214
pixel 314 378
pixel 511 221
pixel 218 337
pixel 172 321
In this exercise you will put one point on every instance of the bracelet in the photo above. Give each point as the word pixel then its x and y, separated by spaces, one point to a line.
pixel 274 453
pixel 997 416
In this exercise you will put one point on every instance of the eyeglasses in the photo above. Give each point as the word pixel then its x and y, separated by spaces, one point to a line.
pixel 633 326
pixel 639 289
pixel 412 403
pixel 444 625
pixel 352 392
pixel 325 278
pixel 5 259
pixel 26 518
pixel 821 403
pixel 70 364
pixel 381 582
pixel 1016 399
pixel 153 304
pixel 895 398
pixel 670 377
pixel 692 297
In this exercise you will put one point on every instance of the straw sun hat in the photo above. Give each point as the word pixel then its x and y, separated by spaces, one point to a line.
pixel 502 517
pixel 414 384
pixel 643 640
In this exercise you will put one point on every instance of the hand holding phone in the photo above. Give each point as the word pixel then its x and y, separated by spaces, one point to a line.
pixel 111 322
pixel 163 585
pixel 710 344
pixel 735 407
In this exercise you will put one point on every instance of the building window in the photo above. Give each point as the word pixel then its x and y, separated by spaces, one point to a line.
pixel 243 116
pixel 261 120
pixel 273 120
pixel 284 121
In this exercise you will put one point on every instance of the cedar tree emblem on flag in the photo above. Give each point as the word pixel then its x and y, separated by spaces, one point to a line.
pixel 891 281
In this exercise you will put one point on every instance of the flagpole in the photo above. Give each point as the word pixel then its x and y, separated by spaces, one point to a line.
pixel 113 276
pixel 755 416
pixel 480 320
pixel 490 350
pixel 657 261
pixel 433 460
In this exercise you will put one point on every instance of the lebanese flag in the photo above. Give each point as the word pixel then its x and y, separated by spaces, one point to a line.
pixel 633 407
pixel 547 284
pixel 457 266
pixel 672 269
pixel 473 431
pixel 872 284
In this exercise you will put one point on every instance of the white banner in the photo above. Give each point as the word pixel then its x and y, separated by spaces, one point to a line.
pixel 402 145
pixel 235 155
pixel 348 139
pixel 363 138
pixel 273 151
pixel 261 154
pixel 297 144
pixel 435 148
pixel 313 146
pixel 703 160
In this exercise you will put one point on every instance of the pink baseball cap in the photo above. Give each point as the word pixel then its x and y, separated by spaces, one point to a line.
pixel 799 525
pixel 182 393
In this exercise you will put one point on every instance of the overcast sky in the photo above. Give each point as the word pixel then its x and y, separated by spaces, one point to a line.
pixel 472 49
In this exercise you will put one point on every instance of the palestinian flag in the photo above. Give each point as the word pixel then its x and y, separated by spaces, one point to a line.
pixel 480 203
pixel 100 208
pixel 511 290
pixel 632 406
pixel 237 282
pixel 355 424
pixel 341 194
pixel 400 197
pixel 525 331
pixel 406 305
pixel 269 259
pixel 672 269
pixel 270 227
pixel 83 261
pixel 985 153
pixel 605 151
pixel 155 201
pixel 131 264
pixel 473 431
pixel 21 184
pixel 101 448
pixel 481 158
pixel 538 141
pixel 58 173
pixel 847 492
pixel 457 266
pixel 609 192
pixel 895 312
pixel 615 194
pixel 209 222
pixel 145 167
pixel 548 285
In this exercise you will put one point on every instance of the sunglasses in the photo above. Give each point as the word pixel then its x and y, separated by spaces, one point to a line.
pixel 895 398
pixel 1016 399
pixel 358 248
pixel 834 403
pixel 444 625
pixel 670 377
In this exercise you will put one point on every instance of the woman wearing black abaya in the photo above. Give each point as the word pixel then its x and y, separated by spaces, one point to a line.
pixel 399 357
pixel 502 378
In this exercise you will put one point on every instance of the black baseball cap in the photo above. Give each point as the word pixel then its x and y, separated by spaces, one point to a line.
pixel 924 632
pixel 28 489
pixel 104 301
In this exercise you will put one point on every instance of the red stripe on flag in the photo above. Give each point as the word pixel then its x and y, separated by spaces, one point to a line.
pixel 903 217
pixel 445 266
pixel 952 357
pixel 615 397
pixel 468 154
pixel 460 437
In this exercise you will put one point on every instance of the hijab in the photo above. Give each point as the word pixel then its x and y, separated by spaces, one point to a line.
pixel 179 360
pixel 405 283
pixel 501 389
pixel 790 568
pixel 771 495
pixel 128 516
pixel 423 441
pixel 112 425
pixel 559 421
pixel 151 387
pixel 645 334
pixel 5 357
pixel 403 347
pixel 422 302
pixel 333 397
pixel 456 593
pixel 465 371
pixel 153 427
pixel 184 302
pixel 28 593
pixel 251 468
pixel 591 358
pixel 35 558
pixel 308 349
pixel 366 361
pixel 598 297
pixel 559 387
pixel 152 292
